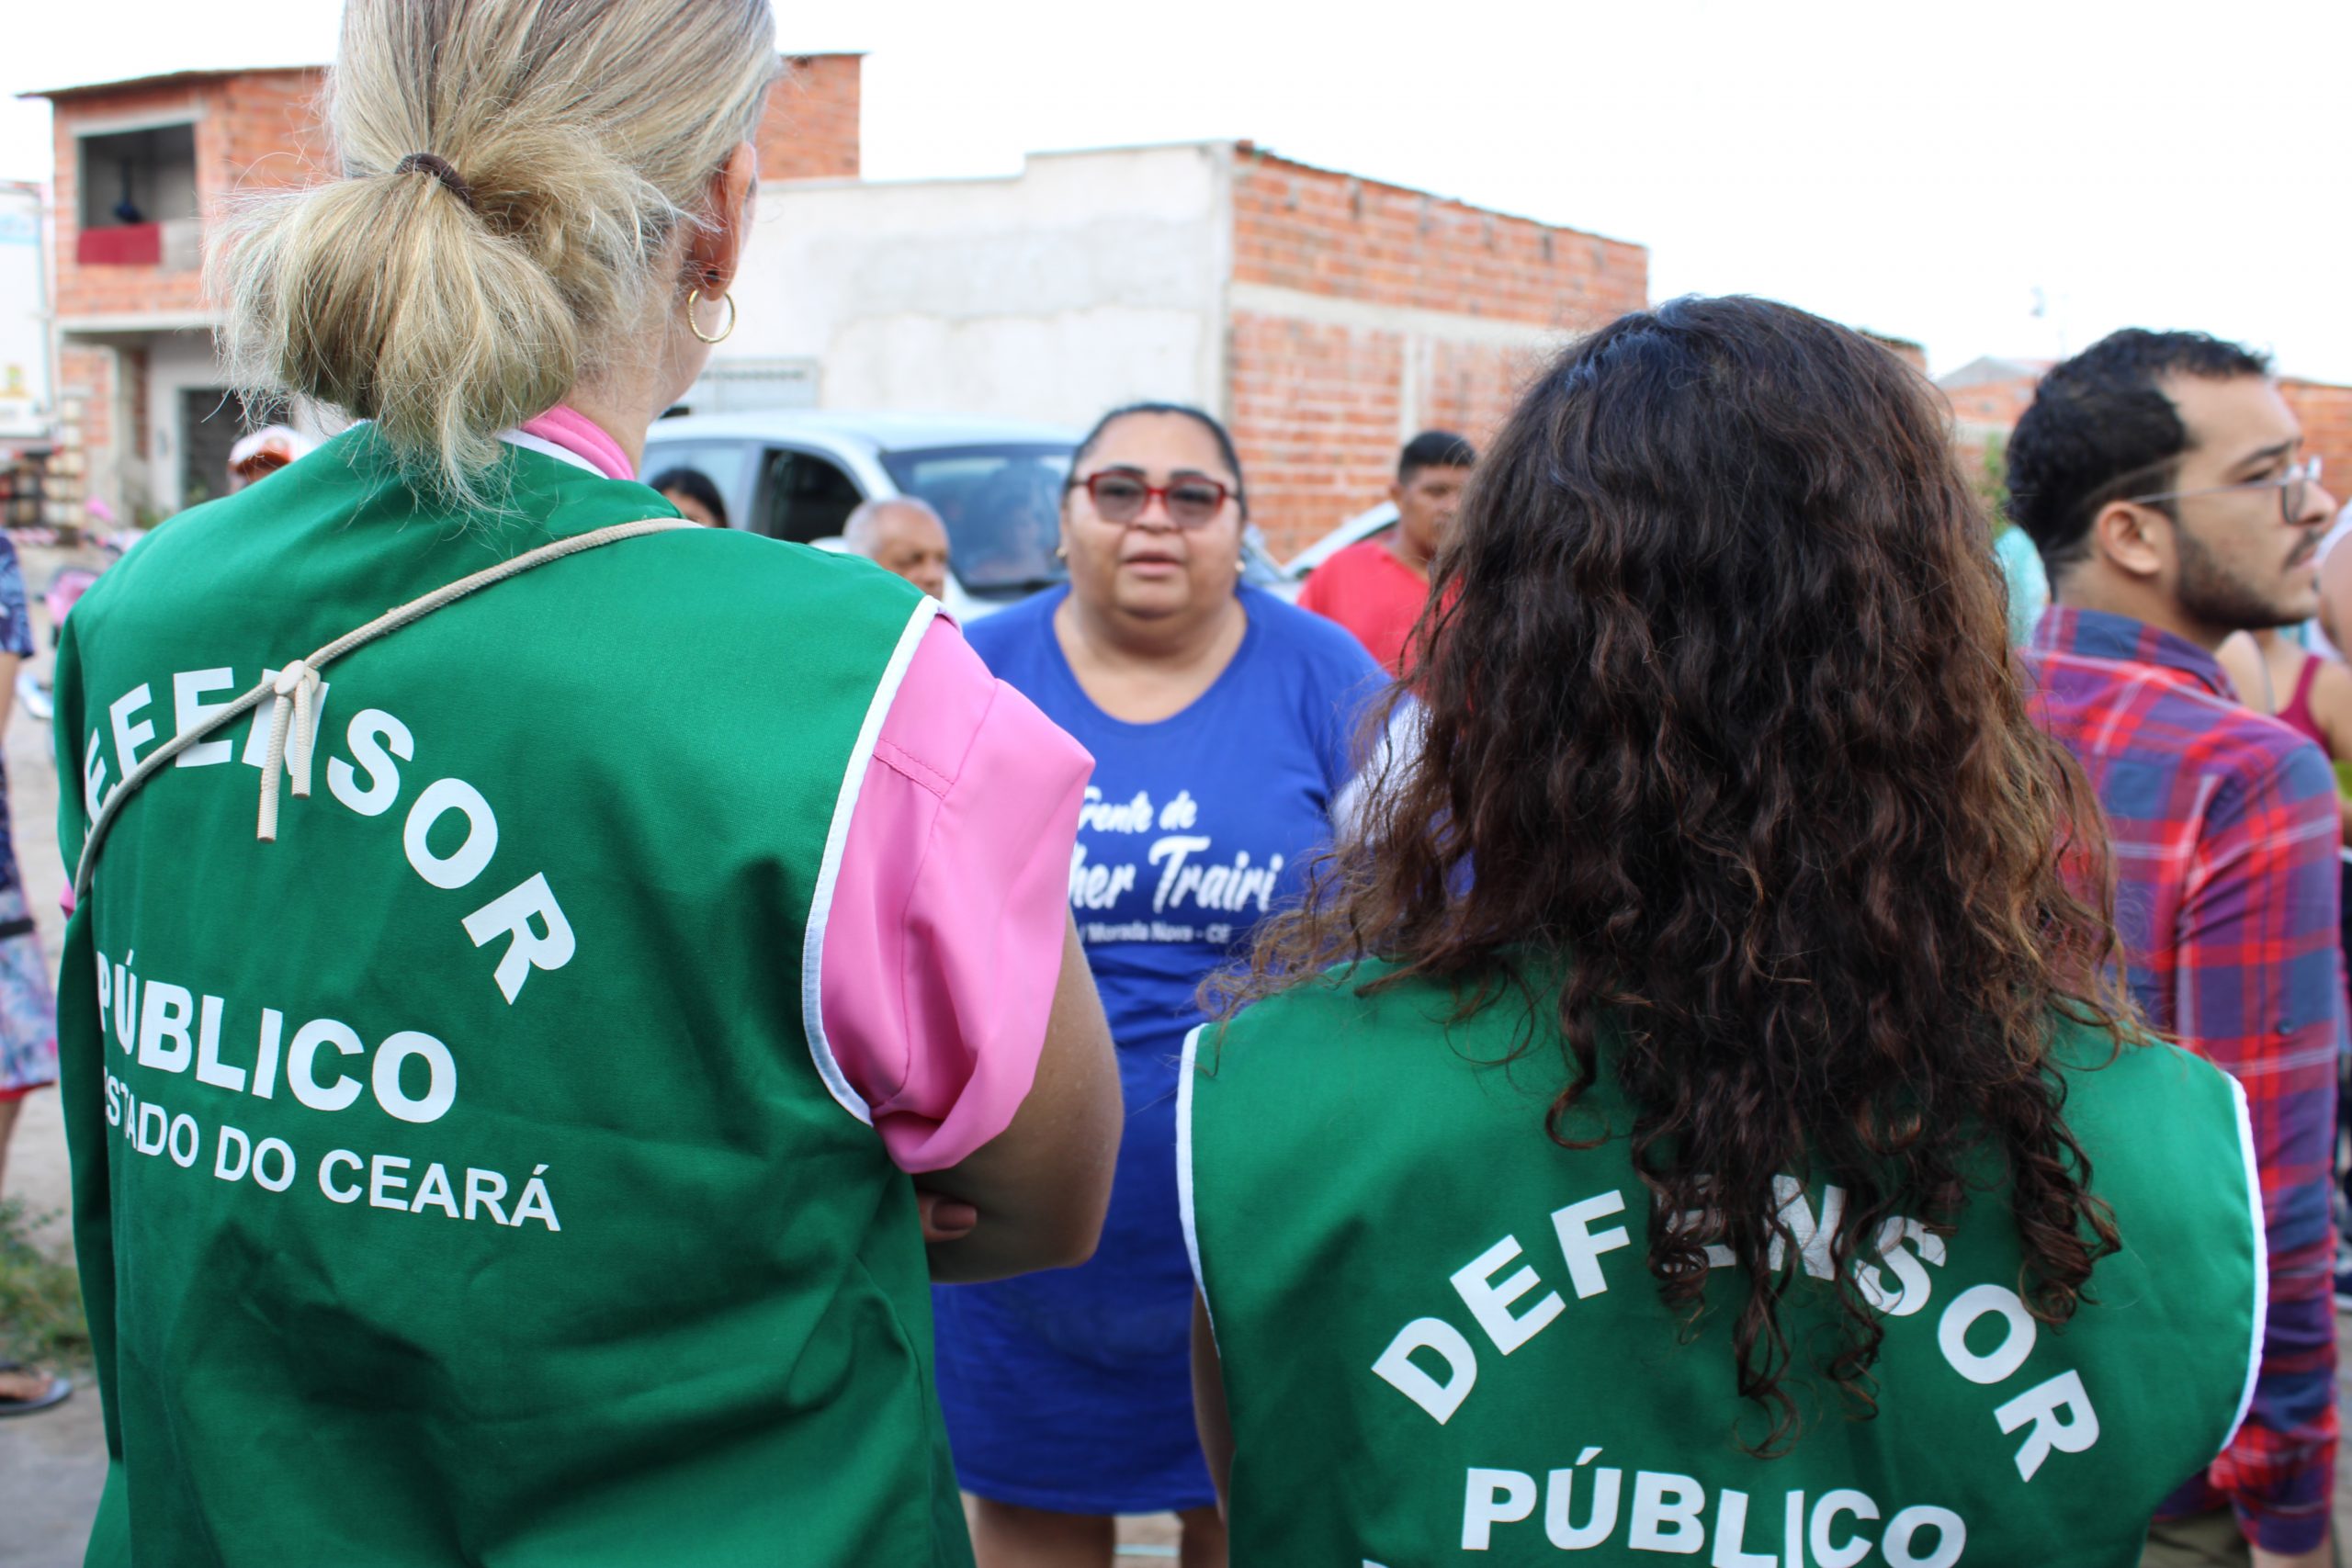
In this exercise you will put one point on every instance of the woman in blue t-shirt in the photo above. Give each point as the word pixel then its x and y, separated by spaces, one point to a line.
pixel 1222 722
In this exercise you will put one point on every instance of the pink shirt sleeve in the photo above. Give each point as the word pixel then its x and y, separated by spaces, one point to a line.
pixel 945 936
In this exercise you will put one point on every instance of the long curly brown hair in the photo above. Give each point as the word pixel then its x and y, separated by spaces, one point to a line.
pixel 1718 719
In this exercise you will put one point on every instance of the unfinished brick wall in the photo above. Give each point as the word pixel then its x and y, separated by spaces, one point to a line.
pixel 130 370
pixel 86 383
pixel 259 129
pixel 2325 412
pixel 1443 309
pixel 1328 234
pixel 1470 389
pixel 88 373
pixel 1983 416
pixel 265 129
pixel 118 290
pixel 1315 411
pixel 810 132
pixel 1914 355
pixel 254 131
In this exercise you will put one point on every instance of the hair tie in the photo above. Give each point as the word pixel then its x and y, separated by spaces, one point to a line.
pixel 440 169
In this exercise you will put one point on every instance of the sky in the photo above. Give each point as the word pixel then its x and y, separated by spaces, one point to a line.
pixel 2004 177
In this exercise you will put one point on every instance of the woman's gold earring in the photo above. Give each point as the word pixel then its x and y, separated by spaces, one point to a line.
pixel 694 295
pixel 1061 552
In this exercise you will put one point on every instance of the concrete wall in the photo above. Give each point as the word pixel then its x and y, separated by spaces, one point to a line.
pixel 1090 278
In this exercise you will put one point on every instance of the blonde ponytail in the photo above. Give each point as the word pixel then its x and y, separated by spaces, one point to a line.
pixel 452 296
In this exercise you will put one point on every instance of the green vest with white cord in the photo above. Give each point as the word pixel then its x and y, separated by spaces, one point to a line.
pixel 1440 1342
pixel 464 1176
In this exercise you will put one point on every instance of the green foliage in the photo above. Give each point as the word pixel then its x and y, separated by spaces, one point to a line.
pixel 1992 478
pixel 40 1298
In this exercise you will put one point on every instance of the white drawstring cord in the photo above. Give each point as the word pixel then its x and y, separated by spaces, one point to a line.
pixel 293 731
pixel 294 691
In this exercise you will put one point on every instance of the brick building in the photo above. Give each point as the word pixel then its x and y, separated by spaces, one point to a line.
pixel 138 165
pixel 1988 396
pixel 143 166
pixel 1327 316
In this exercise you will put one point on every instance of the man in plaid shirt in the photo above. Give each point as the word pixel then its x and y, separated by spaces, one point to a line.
pixel 2162 478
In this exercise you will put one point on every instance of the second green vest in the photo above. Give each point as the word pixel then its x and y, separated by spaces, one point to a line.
pixel 1441 1343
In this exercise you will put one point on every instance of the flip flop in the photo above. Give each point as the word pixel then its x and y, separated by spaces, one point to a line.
pixel 58 1391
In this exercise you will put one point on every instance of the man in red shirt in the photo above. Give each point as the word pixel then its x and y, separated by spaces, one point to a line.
pixel 1375 588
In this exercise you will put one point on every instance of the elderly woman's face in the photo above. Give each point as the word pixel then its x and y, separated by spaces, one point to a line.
pixel 1149 564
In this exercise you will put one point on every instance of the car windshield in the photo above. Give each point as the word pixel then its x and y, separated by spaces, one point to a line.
pixel 1002 507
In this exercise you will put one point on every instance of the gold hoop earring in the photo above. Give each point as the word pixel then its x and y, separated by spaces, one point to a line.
pixel 696 327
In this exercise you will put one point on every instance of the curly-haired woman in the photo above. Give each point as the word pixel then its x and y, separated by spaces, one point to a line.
pixel 1752 1157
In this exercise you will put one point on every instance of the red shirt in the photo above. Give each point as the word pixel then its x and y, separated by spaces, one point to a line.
pixel 1367 590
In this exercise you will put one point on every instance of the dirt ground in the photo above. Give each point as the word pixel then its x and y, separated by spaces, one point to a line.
pixel 52 1465
pixel 37 1157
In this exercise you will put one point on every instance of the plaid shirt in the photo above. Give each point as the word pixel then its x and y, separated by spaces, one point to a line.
pixel 2226 843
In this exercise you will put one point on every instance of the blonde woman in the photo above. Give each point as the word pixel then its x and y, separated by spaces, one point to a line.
pixel 512 1084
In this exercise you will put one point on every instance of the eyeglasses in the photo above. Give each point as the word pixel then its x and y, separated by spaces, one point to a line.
pixel 1192 501
pixel 2291 486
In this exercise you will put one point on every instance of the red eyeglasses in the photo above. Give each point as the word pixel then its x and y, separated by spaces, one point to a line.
pixel 1193 501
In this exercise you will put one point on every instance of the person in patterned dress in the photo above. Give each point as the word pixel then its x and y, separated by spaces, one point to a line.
pixel 27 1006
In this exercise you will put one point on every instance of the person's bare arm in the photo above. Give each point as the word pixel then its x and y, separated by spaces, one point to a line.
pixel 2240 658
pixel 2336 596
pixel 1037 1190
pixel 1208 1405
pixel 8 664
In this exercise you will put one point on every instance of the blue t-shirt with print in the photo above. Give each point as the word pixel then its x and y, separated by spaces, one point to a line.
pixel 1069 1389
pixel 1195 826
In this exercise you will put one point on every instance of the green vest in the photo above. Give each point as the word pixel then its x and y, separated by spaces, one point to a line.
pixel 462 1177
pixel 1439 1337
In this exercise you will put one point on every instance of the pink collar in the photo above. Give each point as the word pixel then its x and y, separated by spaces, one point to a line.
pixel 583 437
